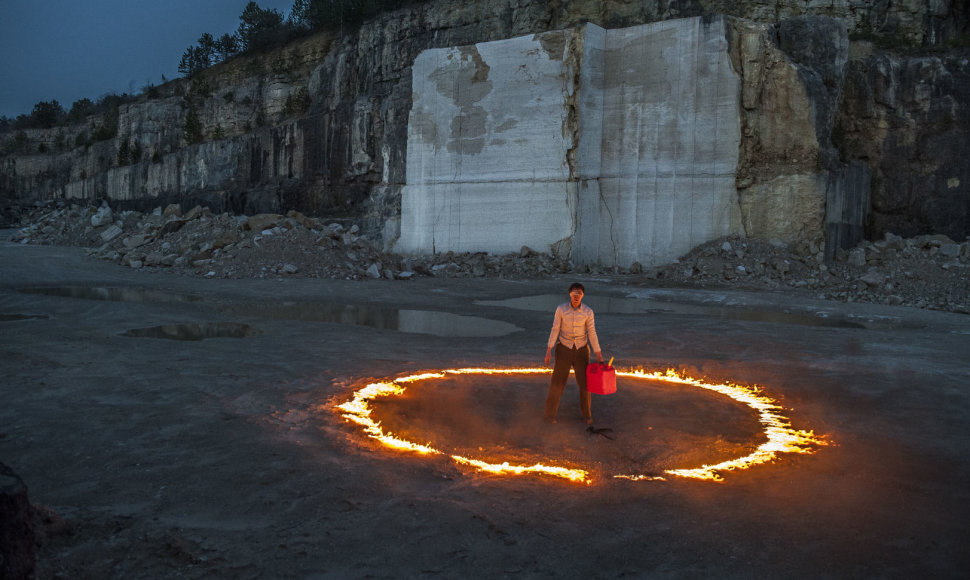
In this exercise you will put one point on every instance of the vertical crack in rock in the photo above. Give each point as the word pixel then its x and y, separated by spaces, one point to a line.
pixel 743 46
pixel 571 85
pixel 572 55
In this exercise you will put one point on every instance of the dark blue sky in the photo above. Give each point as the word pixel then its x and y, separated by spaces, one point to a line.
pixel 69 49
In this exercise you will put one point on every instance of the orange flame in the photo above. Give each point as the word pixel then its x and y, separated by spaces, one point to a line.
pixel 505 468
pixel 782 438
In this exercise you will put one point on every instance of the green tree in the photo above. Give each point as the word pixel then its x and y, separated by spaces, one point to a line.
pixel 207 49
pixel 226 47
pixel 300 14
pixel 108 129
pixel 22 122
pixel 192 130
pixel 46 114
pixel 335 14
pixel 80 110
pixel 193 61
pixel 258 27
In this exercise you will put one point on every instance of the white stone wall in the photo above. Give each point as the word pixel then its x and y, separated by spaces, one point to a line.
pixel 655 124
pixel 486 156
pixel 659 135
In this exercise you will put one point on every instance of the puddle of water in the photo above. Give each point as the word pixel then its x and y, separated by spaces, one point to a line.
pixel 112 293
pixel 409 321
pixel 194 331
pixel 600 304
pixel 608 305
pixel 13 317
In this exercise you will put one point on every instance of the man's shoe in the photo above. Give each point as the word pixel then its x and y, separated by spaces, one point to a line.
pixel 589 420
pixel 550 420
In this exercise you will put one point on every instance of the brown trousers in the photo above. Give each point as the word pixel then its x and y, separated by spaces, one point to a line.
pixel 566 358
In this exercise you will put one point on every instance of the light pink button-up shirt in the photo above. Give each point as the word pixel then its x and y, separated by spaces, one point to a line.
pixel 574 327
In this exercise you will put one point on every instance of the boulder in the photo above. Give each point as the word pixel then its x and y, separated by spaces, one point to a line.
pixel 102 217
pixel 262 221
pixel 111 232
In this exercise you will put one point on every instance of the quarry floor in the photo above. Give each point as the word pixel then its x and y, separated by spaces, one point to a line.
pixel 156 456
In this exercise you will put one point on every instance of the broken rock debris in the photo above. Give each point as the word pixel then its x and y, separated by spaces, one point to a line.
pixel 930 271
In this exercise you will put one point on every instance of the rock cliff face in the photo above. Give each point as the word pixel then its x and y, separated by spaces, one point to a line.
pixel 837 137
pixel 609 147
pixel 907 119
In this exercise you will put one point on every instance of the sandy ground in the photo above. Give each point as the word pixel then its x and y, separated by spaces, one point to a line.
pixel 223 457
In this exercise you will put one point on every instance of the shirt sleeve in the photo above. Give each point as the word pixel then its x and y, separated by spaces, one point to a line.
pixel 556 326
pixel 594 340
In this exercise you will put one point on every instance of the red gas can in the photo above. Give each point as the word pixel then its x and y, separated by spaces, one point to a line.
pixel 600 379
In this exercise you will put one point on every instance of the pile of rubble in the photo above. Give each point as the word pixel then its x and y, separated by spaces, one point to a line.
pixel 925 272
pixel 930 272
pixel 199 243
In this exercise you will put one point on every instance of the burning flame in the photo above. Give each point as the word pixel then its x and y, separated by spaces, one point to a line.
pixel 782 438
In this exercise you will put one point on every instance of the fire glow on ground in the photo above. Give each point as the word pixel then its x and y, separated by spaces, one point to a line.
pixel 780 437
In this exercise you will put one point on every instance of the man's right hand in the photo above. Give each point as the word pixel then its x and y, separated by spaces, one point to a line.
pixel 548 356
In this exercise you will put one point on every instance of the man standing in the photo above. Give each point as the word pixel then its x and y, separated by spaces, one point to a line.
pixel 573 332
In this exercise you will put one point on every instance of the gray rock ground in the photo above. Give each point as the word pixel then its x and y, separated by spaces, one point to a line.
pixel 222 457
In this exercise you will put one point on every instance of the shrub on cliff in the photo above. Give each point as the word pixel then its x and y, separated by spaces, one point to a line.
pixel 192 130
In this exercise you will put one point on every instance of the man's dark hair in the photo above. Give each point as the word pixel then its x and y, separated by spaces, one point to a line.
pixel 576 286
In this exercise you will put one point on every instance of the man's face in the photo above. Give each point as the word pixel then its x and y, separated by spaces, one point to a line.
pixel 576 297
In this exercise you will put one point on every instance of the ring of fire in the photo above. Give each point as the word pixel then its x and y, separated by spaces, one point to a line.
pixel 781 436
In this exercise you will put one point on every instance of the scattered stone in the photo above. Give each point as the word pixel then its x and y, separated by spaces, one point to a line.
pixel 133 242
pixel 171 226
pixel 303 220
pixel 924 271
pixel 111 232
pixel 153 259
pixel 857 257
pixel 950 250
pixel 102 217
pixel 262 221
pixel 873 278
pixel 195 212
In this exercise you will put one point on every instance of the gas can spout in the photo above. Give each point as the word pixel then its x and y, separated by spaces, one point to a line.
pixel 609 364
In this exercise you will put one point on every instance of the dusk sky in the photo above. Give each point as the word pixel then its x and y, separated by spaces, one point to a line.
pixel 68 49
